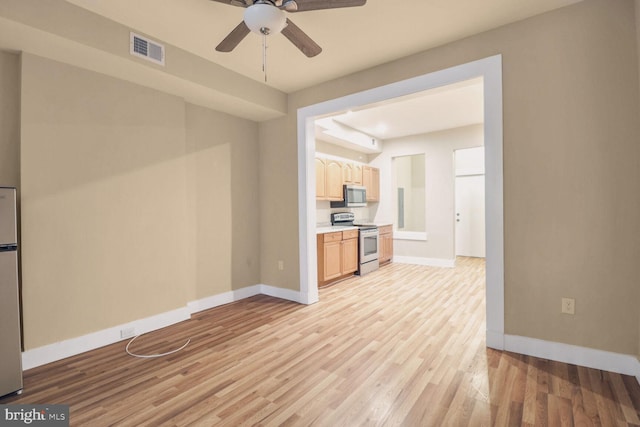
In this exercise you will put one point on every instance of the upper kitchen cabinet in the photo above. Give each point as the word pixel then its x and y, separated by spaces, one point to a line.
pixel 333 180
pixel 321 186
pixel 328 179
pixel 331 175
pixel 352 173
pixel 371 180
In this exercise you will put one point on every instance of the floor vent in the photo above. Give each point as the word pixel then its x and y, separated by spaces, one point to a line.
pixel 145 48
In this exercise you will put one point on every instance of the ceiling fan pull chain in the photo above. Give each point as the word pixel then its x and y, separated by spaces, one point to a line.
pixel 264 56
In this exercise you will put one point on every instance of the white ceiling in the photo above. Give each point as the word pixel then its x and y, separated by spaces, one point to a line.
pixel 447 107
pixel 352 39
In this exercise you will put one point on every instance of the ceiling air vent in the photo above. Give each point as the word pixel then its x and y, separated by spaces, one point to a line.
pixel 145 48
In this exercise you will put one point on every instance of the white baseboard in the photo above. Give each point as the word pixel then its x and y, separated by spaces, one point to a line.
pixel 67 348
pixel 71 347
pixel 222 299
pixel 591 358
pixel 282 293
pixel 495 340
pixel 429 262
pixel 240 294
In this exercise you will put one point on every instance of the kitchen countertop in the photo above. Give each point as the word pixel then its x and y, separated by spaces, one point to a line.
pixel 323 228
pixel 331 229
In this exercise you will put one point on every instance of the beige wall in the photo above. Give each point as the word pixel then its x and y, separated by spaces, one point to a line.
pixel 222 184
pixel 134 203
pixel 9 120
pixel 570 91
pixel 279 203
pixel 104 220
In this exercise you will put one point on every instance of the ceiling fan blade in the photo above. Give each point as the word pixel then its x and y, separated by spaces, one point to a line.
pixel 234 38
pixel 301 40
pixel 304 5
pixel 239 3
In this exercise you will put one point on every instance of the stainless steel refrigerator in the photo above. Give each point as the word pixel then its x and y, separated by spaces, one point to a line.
pixel 10 348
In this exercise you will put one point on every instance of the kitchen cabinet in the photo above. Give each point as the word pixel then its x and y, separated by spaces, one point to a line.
pixel 350 254
pixel 332 267
pixel 337 256
pixel 357 174
pixel 333 180
pixel 331 175
pixel 352 173
pixel 321 187
pixel 371 180
pixel 328 179
pixel 385 235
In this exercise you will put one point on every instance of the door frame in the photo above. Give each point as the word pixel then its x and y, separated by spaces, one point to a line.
pixel 490 69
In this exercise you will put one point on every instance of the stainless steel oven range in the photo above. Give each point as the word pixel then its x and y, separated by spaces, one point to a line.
pixel 368 245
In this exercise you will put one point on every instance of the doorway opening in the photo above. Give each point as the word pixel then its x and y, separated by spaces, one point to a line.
pixel 490 70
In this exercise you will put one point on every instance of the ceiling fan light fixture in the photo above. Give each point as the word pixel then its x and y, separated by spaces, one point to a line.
pixel 264 19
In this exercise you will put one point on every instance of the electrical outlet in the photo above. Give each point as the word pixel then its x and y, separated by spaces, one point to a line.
pixel 280 265
pixel 127 333
pixel 568 305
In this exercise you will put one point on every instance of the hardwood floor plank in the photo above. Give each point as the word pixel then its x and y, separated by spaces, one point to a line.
pixel 397 347
pixel 542 409
pixel 460 409
pixel 621 397
pixel 529 403
pixel 560 411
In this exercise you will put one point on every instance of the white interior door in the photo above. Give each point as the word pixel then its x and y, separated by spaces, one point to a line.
pixel 470 227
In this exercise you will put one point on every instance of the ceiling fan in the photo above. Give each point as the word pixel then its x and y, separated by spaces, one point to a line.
pixel 266 17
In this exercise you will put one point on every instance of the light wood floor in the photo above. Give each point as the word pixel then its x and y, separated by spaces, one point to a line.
pixel 402 346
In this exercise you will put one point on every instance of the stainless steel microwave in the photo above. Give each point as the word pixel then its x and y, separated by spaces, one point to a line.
pixel 354 196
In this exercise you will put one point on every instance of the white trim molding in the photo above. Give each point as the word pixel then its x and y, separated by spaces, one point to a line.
pixel 583 356
pixel 410 235
pixel 429 262
pixel 495 340
pixel 67 348
pixel 71 347
pixel 282 293
pixel 222 299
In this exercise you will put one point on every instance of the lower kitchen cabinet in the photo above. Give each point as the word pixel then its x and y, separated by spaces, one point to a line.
pixel 337 256
pixel 332 266
pixel 350 255
pixel 385 235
